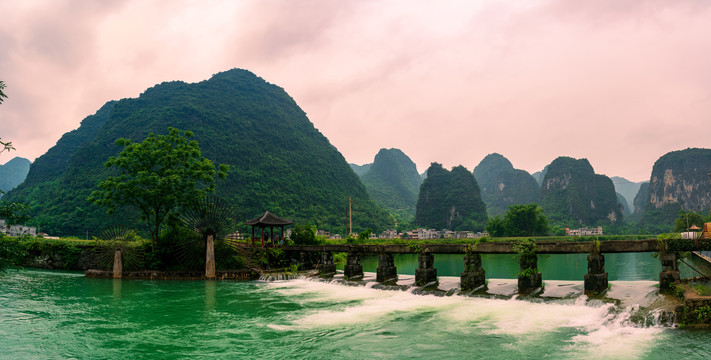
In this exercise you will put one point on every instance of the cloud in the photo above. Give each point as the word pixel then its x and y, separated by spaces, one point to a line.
pixel 618 82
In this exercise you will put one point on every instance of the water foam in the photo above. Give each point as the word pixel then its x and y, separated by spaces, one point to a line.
pixel 595 328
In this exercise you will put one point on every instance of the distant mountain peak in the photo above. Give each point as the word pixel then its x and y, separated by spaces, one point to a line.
pixel 502 185
pixel 392 180
pixel 13 173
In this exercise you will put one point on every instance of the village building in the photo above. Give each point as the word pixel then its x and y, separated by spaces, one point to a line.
pixel 584 231
pixel 16 230
pixel 22 230
pixel 389 234
pixel 423 234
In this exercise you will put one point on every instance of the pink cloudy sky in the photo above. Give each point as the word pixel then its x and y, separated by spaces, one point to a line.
pixel 620 82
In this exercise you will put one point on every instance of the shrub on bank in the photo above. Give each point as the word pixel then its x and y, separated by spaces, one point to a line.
pixel 74 254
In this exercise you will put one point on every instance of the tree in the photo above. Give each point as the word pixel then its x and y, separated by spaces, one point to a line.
pixel 157 176
pixel 365 235
pixel 687 220
pixel 14 212
pixel 304 235
pixel 520 220
pixel 496 227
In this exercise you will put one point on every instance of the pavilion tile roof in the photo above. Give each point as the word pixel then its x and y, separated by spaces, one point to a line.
pixel 268 219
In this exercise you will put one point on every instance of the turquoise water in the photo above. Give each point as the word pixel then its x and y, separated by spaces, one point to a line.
pixel 62 315
pixel 623 266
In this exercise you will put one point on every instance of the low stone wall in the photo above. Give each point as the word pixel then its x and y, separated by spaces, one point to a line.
pixel 696 310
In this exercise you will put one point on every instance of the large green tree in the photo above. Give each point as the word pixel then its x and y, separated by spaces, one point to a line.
pixel 520 220
pixel 156 176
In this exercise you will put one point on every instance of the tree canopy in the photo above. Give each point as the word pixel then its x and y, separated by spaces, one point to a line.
pixel 688 219
pixel 520 220
pixel 157 175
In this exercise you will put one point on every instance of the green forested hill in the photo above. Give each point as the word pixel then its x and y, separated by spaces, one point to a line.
pixel 679 180
pixel 13 173
pixel 278 160
pixel 502 185
pixel 571 193
pixel 393 181
pixel 450 200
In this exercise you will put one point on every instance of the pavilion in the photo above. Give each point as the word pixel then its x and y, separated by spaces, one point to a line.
pixel 268 220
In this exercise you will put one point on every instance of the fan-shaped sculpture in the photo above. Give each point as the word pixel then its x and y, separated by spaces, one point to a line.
pixel 118 247
pixel 212 218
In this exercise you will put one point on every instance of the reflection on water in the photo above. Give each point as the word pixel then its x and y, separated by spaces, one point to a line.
pixel 117 283
pixel 210 294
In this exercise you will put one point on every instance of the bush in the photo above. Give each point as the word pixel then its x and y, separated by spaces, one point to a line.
pixel 11 252
pixel 304 235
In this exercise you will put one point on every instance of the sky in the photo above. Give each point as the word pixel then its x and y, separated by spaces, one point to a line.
pixel 619 82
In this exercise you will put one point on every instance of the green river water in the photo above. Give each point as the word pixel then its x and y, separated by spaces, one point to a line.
pixel 63 315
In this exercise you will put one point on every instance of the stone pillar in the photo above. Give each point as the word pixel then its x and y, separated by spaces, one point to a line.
pixel 596 278
pixel 386 271
pixel 353 269
pixel 530 279
pixel 327 267
pixel 473 275
pixel 210 257
pixel 425 272
pixel 670 272
pixel 118 264
pixel 305 260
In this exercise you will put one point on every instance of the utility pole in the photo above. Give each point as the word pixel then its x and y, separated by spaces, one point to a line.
pixel 350 217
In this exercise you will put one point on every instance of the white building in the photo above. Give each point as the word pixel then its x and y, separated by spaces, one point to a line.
pixel 389 234
pixel 421 234
pixel 585 231
pixel 21 230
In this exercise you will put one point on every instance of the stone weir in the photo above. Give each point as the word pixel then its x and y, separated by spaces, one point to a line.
pixel 474 276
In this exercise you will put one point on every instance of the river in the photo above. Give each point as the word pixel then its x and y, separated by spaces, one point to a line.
pixel 59 315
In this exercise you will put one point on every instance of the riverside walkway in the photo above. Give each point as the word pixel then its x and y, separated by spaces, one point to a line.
pixel 473 277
